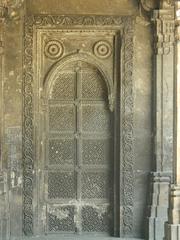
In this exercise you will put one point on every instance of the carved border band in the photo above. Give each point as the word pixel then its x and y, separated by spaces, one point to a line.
pixel 28 138
pixel 127 162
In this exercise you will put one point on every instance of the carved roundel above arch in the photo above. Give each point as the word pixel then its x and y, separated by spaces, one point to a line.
pixel 54 49
pixel 102 49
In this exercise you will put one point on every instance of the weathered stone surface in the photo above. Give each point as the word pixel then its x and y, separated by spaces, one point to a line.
pixel 105 7
pixel 28 49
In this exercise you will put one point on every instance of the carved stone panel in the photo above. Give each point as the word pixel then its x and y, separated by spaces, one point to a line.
pixel 72 86
pixel 73 182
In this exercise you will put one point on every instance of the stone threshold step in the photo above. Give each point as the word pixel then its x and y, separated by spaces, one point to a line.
pixel 76 238
pixel 80 238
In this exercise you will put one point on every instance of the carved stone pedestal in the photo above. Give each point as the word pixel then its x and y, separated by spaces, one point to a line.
pixel 158 208
pixel 172 229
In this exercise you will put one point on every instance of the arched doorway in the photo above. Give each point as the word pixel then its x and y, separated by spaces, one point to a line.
pixel 78 154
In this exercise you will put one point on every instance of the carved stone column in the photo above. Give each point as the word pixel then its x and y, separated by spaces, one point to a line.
pixel 163 120
pixel 172 228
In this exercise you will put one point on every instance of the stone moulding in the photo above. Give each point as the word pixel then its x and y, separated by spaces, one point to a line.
pixel 125 25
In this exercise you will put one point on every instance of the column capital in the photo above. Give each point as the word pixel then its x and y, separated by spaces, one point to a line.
pixel 164 30
pixel 177 20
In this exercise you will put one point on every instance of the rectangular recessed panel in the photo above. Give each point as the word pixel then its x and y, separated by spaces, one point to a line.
pixel 93 86
pixel 95 118
pixel 61 185
pixel 96 218
pixel 64 87
pixel 95 185
pixel 61 151
pixel 62 118
pixel 61 219
pixel 96 151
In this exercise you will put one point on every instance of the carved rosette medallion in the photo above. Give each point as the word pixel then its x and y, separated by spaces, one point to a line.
pixel 102 49
pixel 53 49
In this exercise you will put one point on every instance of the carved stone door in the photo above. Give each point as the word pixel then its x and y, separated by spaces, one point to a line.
pixel 79 157
pixel 79 152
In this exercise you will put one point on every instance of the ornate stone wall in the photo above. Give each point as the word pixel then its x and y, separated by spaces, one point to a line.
pixel 126 172
pixel 135 105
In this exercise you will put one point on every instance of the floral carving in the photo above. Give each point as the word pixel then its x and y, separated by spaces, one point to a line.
pixel 127 161
pixel 28 150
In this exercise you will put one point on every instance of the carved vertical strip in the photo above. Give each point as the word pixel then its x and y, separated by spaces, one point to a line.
pixel 1 90
pixel 2 192
pixel 127 159
pixel 4 196
pixel 28 152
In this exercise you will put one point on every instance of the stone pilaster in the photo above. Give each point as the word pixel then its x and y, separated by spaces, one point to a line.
pixel 4 217
pixel 163 120
pixel 172 228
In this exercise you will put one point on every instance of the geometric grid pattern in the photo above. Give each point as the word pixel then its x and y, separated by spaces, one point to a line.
pixel 79 155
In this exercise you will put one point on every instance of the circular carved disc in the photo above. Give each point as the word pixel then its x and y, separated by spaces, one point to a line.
pixel 54 49
pixel 102 49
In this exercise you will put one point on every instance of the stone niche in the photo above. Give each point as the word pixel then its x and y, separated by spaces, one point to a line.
pixel 76 161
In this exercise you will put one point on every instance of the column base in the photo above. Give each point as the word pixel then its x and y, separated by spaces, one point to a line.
pixel 172 231
pixel 158 206
pixel 172 228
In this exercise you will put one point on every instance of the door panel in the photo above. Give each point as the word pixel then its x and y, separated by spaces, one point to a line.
pixel 79 159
